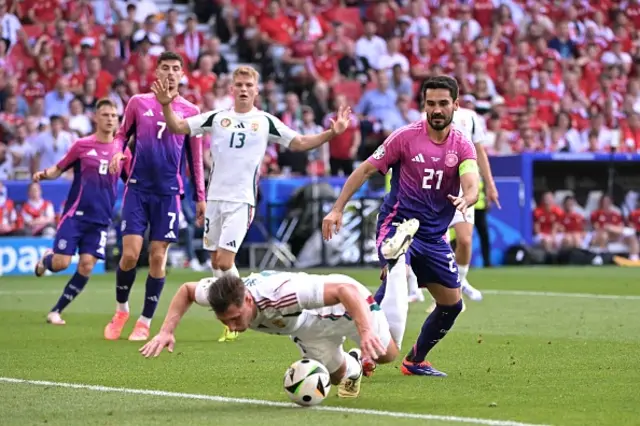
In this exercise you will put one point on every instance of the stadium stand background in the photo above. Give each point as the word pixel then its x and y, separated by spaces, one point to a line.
pixel 545 76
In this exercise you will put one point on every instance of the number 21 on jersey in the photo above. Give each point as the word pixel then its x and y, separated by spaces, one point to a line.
pixel 428 178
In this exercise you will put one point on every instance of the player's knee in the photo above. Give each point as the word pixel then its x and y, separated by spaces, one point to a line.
pixel 464 241
pixel 85 267
pixel 129 259
pixel 225 261
pixel 61 262
pixel 156 259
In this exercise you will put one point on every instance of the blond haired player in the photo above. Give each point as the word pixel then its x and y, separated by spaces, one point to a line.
pixel 240 138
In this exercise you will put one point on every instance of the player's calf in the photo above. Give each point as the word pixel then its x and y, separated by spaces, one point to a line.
pixel 73 288
pixel 53 262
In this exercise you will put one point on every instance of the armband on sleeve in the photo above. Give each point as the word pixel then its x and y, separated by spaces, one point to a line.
pixel 468 166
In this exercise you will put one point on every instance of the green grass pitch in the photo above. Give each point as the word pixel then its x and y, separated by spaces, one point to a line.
pixel 546 346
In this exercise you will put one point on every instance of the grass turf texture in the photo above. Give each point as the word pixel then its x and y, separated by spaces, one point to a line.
pixel 540 358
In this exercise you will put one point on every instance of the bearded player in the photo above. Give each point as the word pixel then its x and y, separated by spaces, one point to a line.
pixel 240 138
pixel 468 122
pixel 153 192
pixel 430 161
pixel 89 206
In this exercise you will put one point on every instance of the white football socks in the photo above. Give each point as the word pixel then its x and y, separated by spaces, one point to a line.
pixel 123 307
pixel 354 369
pixel 233 271
pixel 412 281
pixel 395 304
pixel 463 270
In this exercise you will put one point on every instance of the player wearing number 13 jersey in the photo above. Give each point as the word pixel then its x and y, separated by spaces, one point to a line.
pixel 430 161
pixel 240 138
pixel 152 194
pixel 89 206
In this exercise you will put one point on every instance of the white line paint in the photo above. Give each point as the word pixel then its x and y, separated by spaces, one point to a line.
pixel 36 292
pixel 554 294
pixel 246 401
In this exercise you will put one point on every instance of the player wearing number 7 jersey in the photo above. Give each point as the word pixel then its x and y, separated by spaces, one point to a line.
pixel 89 206
pixel 430 162
pixel 153 192
pixel 240 138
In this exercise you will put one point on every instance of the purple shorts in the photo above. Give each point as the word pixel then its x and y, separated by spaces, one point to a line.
pixel 85 237
pixel 433 262
pixel 160 212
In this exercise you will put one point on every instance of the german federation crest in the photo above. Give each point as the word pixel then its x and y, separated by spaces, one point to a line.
pixel 379 153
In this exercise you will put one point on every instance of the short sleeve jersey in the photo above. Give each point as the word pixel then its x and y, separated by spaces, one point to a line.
pixel 238 146
pixel 424 173
pixel 158 154
pixel 93 192
pixel 285 299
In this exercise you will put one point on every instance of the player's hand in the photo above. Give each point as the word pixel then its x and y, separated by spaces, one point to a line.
pixel 341 123
pixel 201 206
pixel 460 204
pixel 492 196
pixel 38 176
pixel 116 162
pixel 154 347
pixel 371 346
pixel 163 94
pixel 333 219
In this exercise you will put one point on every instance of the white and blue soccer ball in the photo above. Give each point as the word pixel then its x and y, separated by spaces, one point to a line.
pixel 307 382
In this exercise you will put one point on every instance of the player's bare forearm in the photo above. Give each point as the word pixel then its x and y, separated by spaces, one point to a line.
pixel 470 182
pixel 177 125
pixel 484 165
pixel 309 142
pixel 353 302
pixel 51 173
pixel 179 306
pixel 353 183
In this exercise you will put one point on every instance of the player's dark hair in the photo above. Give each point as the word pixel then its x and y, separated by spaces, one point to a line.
pixel 224 292
pixel 105 102
pixel 440 82
pixel 170 56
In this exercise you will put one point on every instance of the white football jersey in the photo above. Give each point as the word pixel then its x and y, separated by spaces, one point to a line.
pixel 285 299
pixel 238 146
pixel 470 124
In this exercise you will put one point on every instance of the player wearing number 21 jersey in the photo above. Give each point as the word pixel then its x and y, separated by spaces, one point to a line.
pixel 89 206
pixel 430 161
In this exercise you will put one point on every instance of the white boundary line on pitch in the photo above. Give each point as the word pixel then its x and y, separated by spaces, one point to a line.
pixel 246 401
pixel 490 292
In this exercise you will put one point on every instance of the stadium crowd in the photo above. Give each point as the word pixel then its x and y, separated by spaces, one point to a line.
pixel 545 75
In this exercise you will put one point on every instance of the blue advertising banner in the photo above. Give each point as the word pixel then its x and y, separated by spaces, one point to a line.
pixel 19 255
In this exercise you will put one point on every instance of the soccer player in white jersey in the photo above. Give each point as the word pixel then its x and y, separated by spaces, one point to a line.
pixel 240 138
pixel 472 127
pixel 317 311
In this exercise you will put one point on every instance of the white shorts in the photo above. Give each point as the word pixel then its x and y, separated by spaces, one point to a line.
pixel 459 218
pixel 226 224
pixel 322 338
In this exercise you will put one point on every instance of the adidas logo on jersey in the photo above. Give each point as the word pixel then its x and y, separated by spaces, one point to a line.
pixel 92 153
pixel 149 113
pixel 232 243
pixel 239 126
pixel 170 234
pixel 418 159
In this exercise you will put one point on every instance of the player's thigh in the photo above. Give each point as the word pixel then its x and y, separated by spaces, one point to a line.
pixel 435 267
pixel 328 351
pixel 67 237
pixel 464 233
pixel 164 218
pixel 134 213
pixel 212 225
pixel 236 220
pixel 93 241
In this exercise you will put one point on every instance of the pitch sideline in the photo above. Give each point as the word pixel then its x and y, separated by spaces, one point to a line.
pixel 246 401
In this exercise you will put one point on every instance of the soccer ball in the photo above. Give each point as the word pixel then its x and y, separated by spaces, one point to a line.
pixel 307 382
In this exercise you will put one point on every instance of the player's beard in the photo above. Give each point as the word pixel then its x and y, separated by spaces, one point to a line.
pixel 440 125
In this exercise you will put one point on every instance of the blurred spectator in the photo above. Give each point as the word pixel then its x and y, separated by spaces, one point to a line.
pixel 79 121
pixel 23 153
pixel 9 23
pixel 37 216
pixel 609 227
pixel 572 225
pixel 6 163
pixel 547 223
pixel 56 102
pixel 51 145
pixel 343 148
pixel 8 216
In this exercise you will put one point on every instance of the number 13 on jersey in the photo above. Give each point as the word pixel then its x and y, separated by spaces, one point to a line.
pixel 428 178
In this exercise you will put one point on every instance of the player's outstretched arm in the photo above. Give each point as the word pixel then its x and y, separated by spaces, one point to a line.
pixel 51 173
pixel 353 302
pixel 309 142
pixel 179 306
pixel 165 96
pixel 351 186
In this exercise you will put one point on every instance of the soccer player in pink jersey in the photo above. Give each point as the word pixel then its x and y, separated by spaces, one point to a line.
pixel 153 192
pixel 89 206
pixel 430 162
